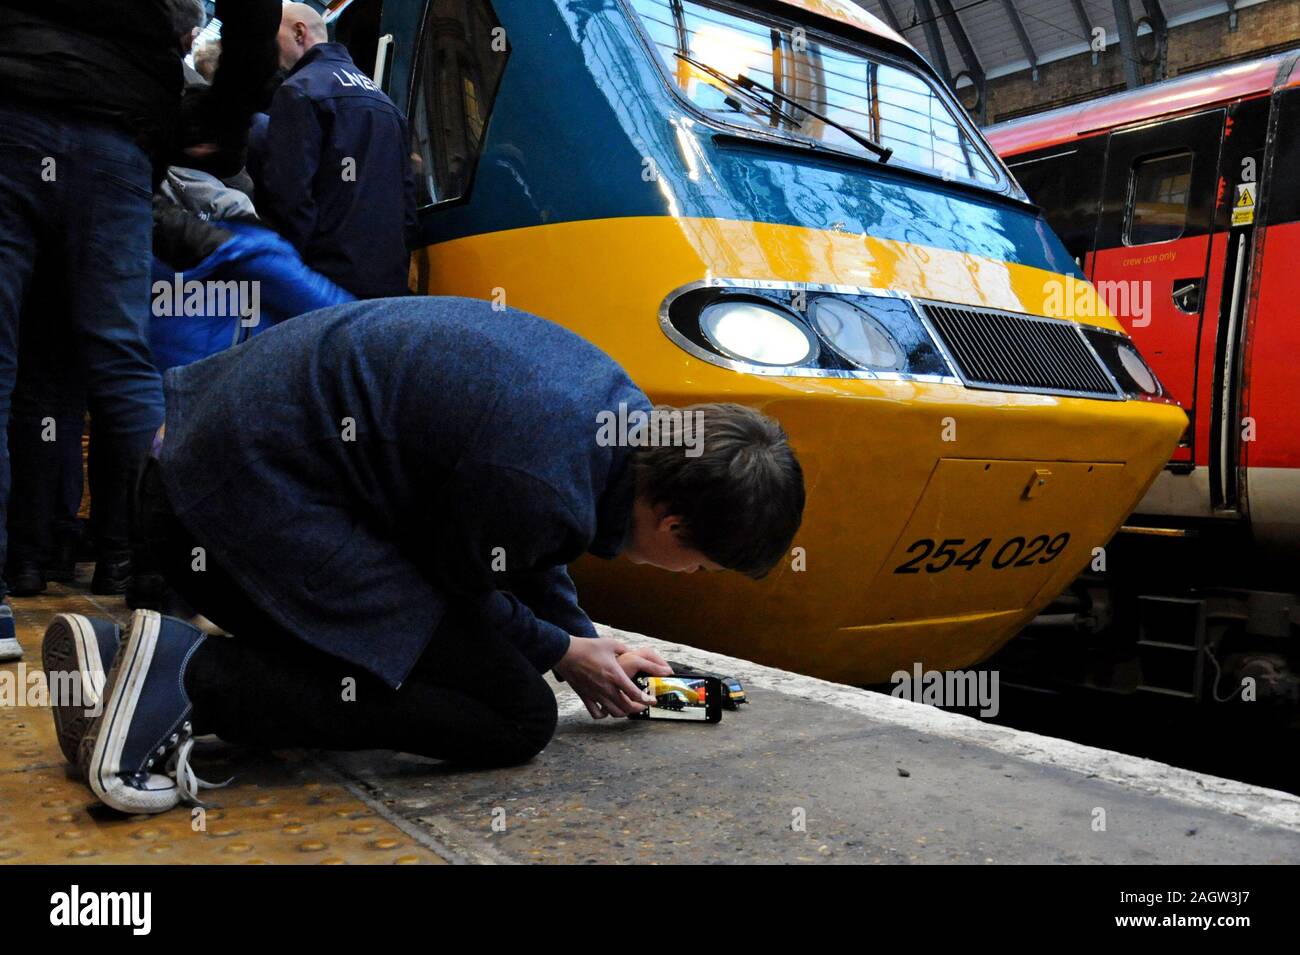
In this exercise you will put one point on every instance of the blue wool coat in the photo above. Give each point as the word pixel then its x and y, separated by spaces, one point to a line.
pixel 360 467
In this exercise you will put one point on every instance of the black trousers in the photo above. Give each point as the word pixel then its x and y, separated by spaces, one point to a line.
pixel 45 493
pixel 473 698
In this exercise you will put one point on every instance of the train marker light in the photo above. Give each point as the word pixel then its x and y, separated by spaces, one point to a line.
pixel 1137 369
pixel 856 335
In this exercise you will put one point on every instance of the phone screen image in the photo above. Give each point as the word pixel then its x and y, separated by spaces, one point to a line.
pixel 682 697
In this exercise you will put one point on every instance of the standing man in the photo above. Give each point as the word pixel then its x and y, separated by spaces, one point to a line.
pixel 90 112
pixel 336 177
pixel 382 497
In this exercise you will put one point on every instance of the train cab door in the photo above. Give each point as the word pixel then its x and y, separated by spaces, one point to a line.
pixel 444 72
pixel 1152 256
pixel 382 37
pixel 441 63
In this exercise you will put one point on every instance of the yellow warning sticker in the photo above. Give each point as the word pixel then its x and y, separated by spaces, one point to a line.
pixel 1243 209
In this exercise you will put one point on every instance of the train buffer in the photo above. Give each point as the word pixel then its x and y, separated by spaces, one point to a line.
pixel 808 772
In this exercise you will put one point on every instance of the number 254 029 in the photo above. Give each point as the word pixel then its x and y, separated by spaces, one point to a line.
pixel 935 558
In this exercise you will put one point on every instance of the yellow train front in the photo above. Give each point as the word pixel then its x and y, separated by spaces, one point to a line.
pixel 777 203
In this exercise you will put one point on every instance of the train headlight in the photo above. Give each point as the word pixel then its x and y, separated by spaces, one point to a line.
pixel 756 332
pixel 1125 364
pixel 857 335
pixel 771 327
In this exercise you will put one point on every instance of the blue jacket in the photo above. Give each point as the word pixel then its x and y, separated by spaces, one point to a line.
pixel 336 177
pixel 358 469
pixel 285 288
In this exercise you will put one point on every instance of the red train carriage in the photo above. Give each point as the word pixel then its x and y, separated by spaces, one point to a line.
pixel 1181 201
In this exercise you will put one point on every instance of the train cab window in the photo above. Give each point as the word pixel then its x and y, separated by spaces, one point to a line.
pixel 462 54
pixel 1157 203
pixel 849 85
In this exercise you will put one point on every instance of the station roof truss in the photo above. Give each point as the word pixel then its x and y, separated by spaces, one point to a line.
pixel 971 41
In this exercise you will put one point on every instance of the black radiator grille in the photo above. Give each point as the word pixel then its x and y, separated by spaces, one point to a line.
pixel 1004 350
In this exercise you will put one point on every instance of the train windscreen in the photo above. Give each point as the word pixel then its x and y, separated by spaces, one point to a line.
pixel 853 87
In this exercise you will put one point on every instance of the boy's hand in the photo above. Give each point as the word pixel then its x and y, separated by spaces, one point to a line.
pixel 591 666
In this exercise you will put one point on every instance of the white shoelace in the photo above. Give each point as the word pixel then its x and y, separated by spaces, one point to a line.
pixel 187 781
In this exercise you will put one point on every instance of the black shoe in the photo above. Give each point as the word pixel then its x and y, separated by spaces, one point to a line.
pixel 26 579
pixel 112 574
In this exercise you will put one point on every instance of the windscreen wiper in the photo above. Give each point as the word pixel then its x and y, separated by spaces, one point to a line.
pixel 751 88
pixel 884 152
pixel 763 104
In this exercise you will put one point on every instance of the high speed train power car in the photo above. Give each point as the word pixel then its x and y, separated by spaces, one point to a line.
pixel 780 204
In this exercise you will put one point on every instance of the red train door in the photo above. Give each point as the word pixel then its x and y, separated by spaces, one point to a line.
pixel 1152 261
pixel 1270 410
pixel 1241 194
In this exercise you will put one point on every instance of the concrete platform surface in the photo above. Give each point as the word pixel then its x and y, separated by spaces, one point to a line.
pixel 872 778
pixel 807 772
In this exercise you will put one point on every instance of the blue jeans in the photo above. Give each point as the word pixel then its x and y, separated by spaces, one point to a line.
pixel 75 194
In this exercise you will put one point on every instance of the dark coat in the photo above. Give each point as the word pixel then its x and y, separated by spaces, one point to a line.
pixel 336 177
pixel 356 469
pixel 120 63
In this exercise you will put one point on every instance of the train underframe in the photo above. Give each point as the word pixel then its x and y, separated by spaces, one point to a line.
pixel 1198 616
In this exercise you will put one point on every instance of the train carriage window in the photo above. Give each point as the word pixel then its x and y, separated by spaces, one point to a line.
pixel 1157 199
pixel 463 52
pixel 1064 183
pixel 852 86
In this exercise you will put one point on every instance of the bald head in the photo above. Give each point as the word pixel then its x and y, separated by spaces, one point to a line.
pixel 301 28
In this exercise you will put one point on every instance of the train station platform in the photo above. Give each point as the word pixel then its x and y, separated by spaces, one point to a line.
pixel 807 771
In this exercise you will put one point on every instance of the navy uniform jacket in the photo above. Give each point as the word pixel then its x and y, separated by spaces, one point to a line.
pixel 336 177
pixel 357 469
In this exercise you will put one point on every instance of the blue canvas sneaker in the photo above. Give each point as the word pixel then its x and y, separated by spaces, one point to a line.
pixel 136 753
pixel 76 654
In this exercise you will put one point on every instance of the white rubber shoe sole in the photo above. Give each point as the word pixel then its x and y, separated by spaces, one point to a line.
pixel 70 652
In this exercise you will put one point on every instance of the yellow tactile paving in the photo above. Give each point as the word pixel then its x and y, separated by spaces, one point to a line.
pixel 281 808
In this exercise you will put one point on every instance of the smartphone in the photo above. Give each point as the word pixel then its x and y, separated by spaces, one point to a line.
pixel 685 697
